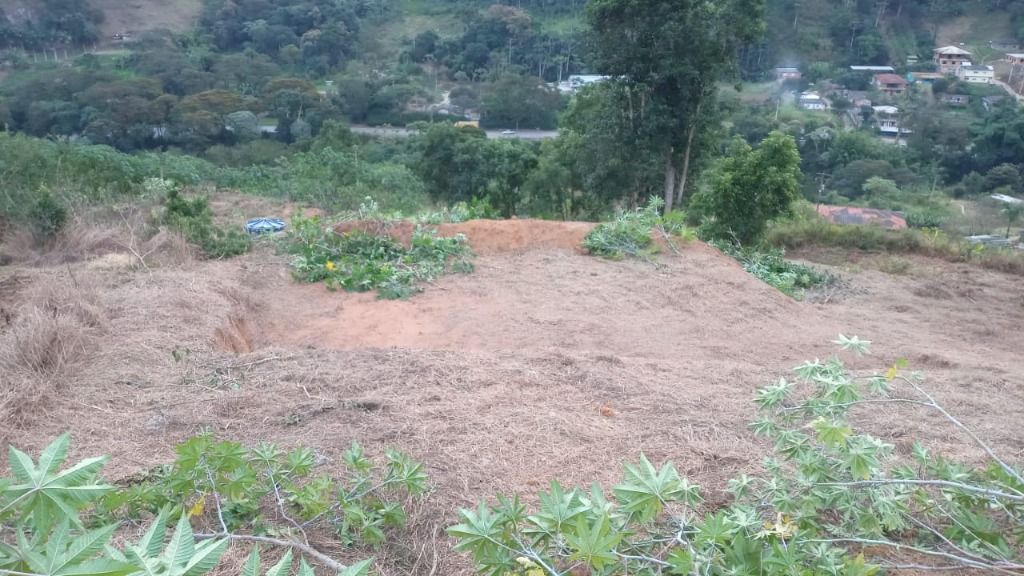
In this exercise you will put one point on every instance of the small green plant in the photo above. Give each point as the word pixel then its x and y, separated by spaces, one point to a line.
pixel 46 217
pixel 56 522
pixel 194 219
pixel 830 501
pixel 771 267
pixel 630 233
pixel 478 208
pixel 359 261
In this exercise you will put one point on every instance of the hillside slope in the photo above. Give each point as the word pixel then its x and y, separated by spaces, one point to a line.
pixel 124 15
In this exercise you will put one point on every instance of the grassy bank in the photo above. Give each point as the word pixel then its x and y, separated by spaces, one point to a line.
pixel 811 232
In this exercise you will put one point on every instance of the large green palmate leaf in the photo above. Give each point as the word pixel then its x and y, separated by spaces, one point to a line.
pixel 42 494
pixel 66 553
pixel 182 556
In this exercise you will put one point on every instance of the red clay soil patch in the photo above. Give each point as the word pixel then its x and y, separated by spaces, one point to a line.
pixel 487 236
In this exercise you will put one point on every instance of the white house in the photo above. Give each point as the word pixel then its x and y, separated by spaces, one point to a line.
pixel 888 120
pixel 812 101
pixel 977 74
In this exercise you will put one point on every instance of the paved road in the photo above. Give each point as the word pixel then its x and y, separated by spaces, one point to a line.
pixel 405 133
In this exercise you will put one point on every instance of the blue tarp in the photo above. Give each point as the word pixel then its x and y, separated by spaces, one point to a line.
pixel 264 225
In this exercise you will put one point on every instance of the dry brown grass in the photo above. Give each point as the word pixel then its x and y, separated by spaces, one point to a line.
pixel 96 235
pixel 48 335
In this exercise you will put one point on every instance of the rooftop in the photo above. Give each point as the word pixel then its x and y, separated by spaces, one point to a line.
pixel 977 68
pixel 952 50
pixel 855 215
pixel 886 109
pixel 890 79
pixel 872 68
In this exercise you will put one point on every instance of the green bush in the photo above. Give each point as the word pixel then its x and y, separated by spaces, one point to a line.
pixel 830 501
pixel 358 261
pixel 46 217
pixel 194 219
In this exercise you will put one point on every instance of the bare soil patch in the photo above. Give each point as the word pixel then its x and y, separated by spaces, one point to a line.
pixel 542 364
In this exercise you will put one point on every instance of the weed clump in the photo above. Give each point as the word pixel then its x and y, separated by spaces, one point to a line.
pixel 194 219
pixel 771 267
pixel 630 233
pixel 46 217
pixel 358 262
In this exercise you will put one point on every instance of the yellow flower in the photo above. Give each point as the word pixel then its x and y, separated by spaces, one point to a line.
pixel 329 266
pixel 198 508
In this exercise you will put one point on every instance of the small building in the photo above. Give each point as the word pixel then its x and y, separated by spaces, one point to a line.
pixel 1015 58
pixel 989 103
pixel 812 101
pixel 1005 45
pixel 926 77
pixel 784 73
pixel 977 74
pixel 875 69
pixel 578 81
pixel 887 118
pixel 955 99
pixel 949 59
pixel 853 215
pixel 891 84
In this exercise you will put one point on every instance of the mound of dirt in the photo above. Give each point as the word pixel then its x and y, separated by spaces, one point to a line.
pixel 542 364
pixel 487 236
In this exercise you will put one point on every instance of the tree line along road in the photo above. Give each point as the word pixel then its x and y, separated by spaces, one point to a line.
pixel 399 132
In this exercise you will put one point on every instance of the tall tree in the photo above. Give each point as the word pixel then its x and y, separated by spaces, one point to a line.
pixel 673 52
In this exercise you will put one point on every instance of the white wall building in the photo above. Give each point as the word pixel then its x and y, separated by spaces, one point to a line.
pixel 812 101
pixel 977 74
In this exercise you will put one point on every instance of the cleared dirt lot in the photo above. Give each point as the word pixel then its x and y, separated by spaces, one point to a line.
pixel 544 363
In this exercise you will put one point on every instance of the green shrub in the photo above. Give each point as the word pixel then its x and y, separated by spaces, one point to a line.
pixel 770 266
pixel 926 219
pixel 358 261
pixel 629 234
pixel 793 234
pixel 749 189
pixel 830 501
pixel 194 219
pixel 46 217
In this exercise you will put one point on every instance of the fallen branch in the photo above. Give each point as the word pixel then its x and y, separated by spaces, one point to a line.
pixel 940 483
pixel 304 548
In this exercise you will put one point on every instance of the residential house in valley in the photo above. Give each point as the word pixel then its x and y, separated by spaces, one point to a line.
pixel 955 99
pixel 887 118
pixel 813 101
pixel 784 73
pixel 977 74
pixel 890 84
pixel 949 59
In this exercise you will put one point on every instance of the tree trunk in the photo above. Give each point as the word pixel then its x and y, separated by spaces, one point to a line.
pixel 688 153
pixel 670 180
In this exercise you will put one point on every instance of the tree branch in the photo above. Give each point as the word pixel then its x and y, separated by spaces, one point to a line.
pixel 304 548
pixel 941 483
pixel 1006 467
pixel 1004 568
